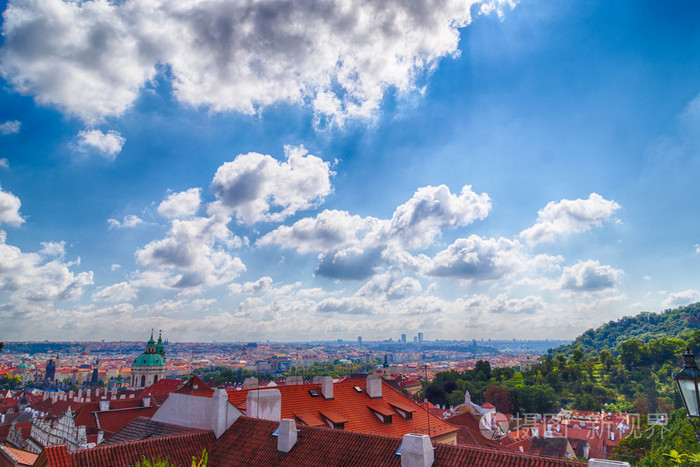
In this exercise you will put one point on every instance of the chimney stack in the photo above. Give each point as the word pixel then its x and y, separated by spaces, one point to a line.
pixel 265 404
pixel 374 386
pixel 104 405
pixel 326 386
pixel 100 436
pixel 146 401
pixel 294 380
pixel 250 383
pixel 416 451
pixel 286 435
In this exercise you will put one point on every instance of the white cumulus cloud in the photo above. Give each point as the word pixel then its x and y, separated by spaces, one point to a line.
pixel 107 145
pixel 569 216
pixel 130 221
pixel 477 259
pixel 685 297
pixel 353 247
pixel 257 187
pixel 589 276
pixel 93 58
pixel 9 209
pixel 181 205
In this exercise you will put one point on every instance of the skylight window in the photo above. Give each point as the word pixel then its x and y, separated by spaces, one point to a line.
pixel 357 388
pixel 313 392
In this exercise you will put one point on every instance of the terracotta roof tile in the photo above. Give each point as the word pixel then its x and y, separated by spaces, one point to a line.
pixel 351 406
pixel 249 442
pixel 144 428
pixel 177 449
pixel 21 457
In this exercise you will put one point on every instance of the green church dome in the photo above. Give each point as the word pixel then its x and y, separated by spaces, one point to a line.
pixel 149 359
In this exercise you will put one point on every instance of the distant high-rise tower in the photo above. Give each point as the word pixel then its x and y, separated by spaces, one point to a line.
pixel 359 341
pixel 420 337
pixel 403 338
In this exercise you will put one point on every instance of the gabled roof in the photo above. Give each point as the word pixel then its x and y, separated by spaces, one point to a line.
pixel 249 442
pixel 112 421
pixel 161 388
pixel 469 432
pixel 19 456
pixel 195 386
pixel 353 409
pixel 144 428
pixel 177 449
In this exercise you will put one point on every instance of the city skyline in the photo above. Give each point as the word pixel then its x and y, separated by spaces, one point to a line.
pixel 298 172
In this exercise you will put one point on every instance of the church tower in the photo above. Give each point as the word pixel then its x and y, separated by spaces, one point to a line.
pixel 149 367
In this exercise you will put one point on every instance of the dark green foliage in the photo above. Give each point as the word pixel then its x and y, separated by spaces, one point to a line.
pixel 649 448
pixel 644 327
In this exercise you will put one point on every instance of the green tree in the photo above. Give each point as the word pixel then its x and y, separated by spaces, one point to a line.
pixel 652 444
pixel 500 397
pixel 455 398
pixel 10 382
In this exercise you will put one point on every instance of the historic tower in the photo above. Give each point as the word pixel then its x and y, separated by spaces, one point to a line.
pixel 149 367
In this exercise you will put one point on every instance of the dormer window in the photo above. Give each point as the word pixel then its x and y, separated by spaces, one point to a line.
pixel 384 414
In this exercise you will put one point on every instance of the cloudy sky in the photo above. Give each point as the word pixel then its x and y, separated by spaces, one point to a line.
pixel 284 170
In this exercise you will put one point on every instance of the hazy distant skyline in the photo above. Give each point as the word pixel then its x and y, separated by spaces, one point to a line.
pixel 318 170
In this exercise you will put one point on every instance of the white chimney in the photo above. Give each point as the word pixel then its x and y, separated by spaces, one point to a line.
pixel 607 463
pixel 293 380
pixel 250 383
pixel 286 435
pixel 374 386
pixel 147 401
pixel 45 396
pixel 104 405
pixel 326 387
pixel 80 393
pixel 70 394
pixel 2 418
pixel 416 451
pixel 219 415
pixel 100 436
pixel 89 392
pixel 265 404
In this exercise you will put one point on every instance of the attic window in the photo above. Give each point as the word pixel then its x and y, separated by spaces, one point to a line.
pixel 276 432
pixel 382 413
pixel 357 388
pixel 313 392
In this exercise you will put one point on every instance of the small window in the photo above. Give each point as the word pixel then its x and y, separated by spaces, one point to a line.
pixel 313 392
pixel 276 432
pixel 358 388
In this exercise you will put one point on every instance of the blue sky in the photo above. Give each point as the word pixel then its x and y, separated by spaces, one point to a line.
pixel 237 171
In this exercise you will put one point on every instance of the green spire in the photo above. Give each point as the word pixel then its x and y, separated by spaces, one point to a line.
pixel 160 349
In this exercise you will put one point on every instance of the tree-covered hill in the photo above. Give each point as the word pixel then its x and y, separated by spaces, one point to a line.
pixel 646 326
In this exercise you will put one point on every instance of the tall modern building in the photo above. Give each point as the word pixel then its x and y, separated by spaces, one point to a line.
pixel 403 338
pixel 359 341
pixel 420 337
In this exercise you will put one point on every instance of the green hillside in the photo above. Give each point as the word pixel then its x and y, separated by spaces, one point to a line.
pixel 644 327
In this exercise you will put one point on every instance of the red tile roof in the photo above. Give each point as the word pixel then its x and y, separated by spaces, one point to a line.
pixel 195 386
pixel 351 407
pixel 21 457
pixel 144 428
pixel 177 449
pixel 249 442
pixel 469 432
